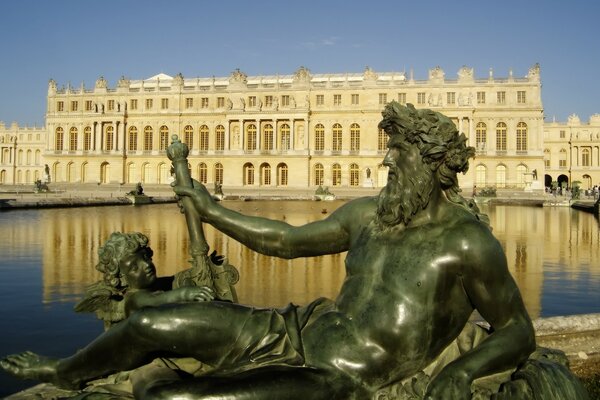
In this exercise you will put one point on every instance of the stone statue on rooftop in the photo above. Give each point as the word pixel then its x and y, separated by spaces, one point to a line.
pixel 420 260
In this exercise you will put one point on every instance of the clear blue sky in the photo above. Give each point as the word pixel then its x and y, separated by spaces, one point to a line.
pixel 74 41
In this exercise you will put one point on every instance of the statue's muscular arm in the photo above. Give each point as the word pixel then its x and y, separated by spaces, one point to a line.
pixel 493 292
pixel 278 238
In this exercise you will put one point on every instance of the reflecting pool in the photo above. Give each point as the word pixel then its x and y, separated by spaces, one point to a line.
pixel 47 259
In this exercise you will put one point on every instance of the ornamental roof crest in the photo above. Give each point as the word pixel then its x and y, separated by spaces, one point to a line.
pixel 123 82
pixel 101 83
pixel 465 73
pixel 238 76
pixel 534 72
pixel 369 74
pixel 302 75
pixel 574 119
pixel 436 73
pixel 178 80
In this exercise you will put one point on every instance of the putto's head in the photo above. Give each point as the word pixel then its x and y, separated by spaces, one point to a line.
pixel 436 136
pixel 117 259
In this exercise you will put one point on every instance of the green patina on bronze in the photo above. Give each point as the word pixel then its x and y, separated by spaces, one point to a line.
pixel 420 260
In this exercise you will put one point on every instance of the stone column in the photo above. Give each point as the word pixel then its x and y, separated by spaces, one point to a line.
pixel 292 135
pixel 258 133
pixel 97 136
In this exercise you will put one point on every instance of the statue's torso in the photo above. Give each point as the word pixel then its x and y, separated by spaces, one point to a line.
pixel 402 302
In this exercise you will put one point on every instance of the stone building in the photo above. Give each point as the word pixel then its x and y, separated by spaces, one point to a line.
pixel 298 131
pixel 572 152
pixel 21 154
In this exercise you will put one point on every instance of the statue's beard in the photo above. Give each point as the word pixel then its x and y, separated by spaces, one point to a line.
pixel 404 195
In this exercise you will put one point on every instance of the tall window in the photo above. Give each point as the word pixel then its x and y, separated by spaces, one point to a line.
pixel 382 140
pixel 562 158
pixel 220 138
pixel 282 174
pixel 204 102
pixel 202 173
pixel 284 137
pixel 319 137
pixel 336 175
pixel 501 136
pixel 318 174
pixel 133 104
pixel 480 176
pixel 248 174
pixel 585 158
pixel 189 102
pixel 501 97
pixel 285 100
pixel 87 138
pixel 188 136
pixel 480 97
pixel 251 101
pixel 219 173
pixel 320 99
pixel 148 138
pixel 148 104
pixel 267 137
pixel 164 137
pixel 402 98
pixel 74 105
pixel 354 174
pixel 521 99
pixel 110 105
pixel 337 99
pixel 204 138
pixel 60 138
pixel 354 137
pixel 110 138
pixel 382 99
pixel 164 104
pixel 265 174
pixel 88 105
pixel 60 106
pixel 133 138
pixel 421 98
pixel 500 176
pixel 521 136
pixel 546 158
pixel 451 97
pixel 354 99
pixel 251 137
pixel 337 137
pixel 73 139
pixel 269 101
pixel 480 135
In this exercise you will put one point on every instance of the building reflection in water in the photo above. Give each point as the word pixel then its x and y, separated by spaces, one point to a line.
pixel 539 242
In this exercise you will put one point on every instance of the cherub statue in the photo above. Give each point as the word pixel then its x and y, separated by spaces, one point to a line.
pixel 130 281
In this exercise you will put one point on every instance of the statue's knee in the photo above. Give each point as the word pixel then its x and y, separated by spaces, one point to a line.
pixel 144 320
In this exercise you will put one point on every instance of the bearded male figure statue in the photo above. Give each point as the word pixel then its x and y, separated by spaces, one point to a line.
pixel 420 261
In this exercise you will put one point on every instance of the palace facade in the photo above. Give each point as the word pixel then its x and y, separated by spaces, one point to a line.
pixel 297 131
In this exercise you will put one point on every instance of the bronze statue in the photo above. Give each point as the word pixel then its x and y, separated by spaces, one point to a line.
pixel 420 260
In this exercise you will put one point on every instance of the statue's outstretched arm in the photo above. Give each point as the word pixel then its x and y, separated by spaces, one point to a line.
pixel 494 293
pixel 278 238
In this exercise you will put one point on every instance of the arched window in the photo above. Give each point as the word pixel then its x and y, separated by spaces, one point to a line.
pixel 480 176
pixel 354 137
pixel 318 173
pixel 382 140
pixel 38 156
pixel 220 138
pixel 164 137
pixel 521 136
pixel 354 175
pixel 265 174
pixel 60 138
pixel 133 138
pixel 251 138
pixel 219 173
pixel 148 138
pixel 336 175
pixel 267 137
pixel 20 157
pixel 146 169
pixel 131 173
pixel 248 174
pixel 73 139
pixel 480 136
pixel 319 137
pixel 282 174
pixel 521 170
pixel 70 172
pixel 284 137
pixel 500 176
pixel 105 172
pixel 87 138
pixel 585 157
pixel 202 173
pixel 84 169
pixel 204 138
pixel 337 137
pixel 501 136
pixel 162 173
pixel 110 138
pixel 188 136
pixel 28 158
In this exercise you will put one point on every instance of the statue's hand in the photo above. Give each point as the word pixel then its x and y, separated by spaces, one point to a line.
pixel 194 293
pixel 202 199
pixel 450 383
